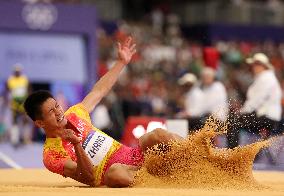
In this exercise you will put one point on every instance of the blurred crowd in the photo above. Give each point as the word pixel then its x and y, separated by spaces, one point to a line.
pixel 169 76
pixel 152 84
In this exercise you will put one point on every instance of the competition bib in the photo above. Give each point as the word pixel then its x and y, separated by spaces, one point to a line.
pixel 96 146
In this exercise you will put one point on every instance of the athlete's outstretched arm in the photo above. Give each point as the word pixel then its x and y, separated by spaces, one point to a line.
pixel 103 86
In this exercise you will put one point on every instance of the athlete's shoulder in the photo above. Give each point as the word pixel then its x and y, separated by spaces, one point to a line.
pixel 79 107
pixel 54 155
pixel 54 144
pixel 81 111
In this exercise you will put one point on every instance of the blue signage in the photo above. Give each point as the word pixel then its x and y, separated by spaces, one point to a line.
pixel 44 57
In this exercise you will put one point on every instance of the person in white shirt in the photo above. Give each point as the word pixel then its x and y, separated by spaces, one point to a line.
pixel 261 111
pixel 215 95
pixel 193 101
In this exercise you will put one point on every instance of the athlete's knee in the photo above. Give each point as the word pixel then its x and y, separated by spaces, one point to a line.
pixel 156 136
pixel 118 175
pixel 162 136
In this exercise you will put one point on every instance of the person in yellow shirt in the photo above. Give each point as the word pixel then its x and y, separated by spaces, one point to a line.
pixel 75 148
pixel 18 85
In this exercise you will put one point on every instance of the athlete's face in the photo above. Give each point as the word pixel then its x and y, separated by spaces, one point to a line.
pixel 52 115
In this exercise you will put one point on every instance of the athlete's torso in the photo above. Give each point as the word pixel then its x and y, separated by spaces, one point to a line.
pixel 99 147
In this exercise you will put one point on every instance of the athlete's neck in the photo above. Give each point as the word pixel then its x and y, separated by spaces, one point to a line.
pixel 51 133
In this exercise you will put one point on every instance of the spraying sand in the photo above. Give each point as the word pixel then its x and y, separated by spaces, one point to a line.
pixel 196 163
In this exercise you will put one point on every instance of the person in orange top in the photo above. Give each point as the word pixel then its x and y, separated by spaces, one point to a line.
pixel 75 148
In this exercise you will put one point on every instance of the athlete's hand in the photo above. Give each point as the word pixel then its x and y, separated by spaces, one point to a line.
pixel 68 135
pixel 126 50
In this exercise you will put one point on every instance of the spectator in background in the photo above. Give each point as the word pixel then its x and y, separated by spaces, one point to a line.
pixel 211 56
pixel 158 100
pixel 157 19
pixel 101 118
pixel 2 113
pixel 261 111
pixel 193 101
pixel 215 95
pixel 18 85
pixel 281 123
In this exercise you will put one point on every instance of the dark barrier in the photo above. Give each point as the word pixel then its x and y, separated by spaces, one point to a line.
pixel 208 33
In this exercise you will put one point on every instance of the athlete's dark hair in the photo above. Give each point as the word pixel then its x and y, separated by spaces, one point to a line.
pixel 34 102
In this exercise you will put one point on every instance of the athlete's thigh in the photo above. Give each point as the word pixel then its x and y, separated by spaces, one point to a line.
pixel 120 175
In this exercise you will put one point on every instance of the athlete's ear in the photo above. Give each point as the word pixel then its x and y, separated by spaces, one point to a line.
pixel 39 123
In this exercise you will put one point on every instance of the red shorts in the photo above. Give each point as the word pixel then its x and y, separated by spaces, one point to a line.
pixel 125 155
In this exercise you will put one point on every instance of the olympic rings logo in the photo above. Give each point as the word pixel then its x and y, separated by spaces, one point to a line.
pixel 39 16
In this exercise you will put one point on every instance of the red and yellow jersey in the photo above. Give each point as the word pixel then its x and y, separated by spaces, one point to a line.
pixel 98 146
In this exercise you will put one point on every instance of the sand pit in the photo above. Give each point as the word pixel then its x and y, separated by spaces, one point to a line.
pixel 184 167
pixel 41 182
